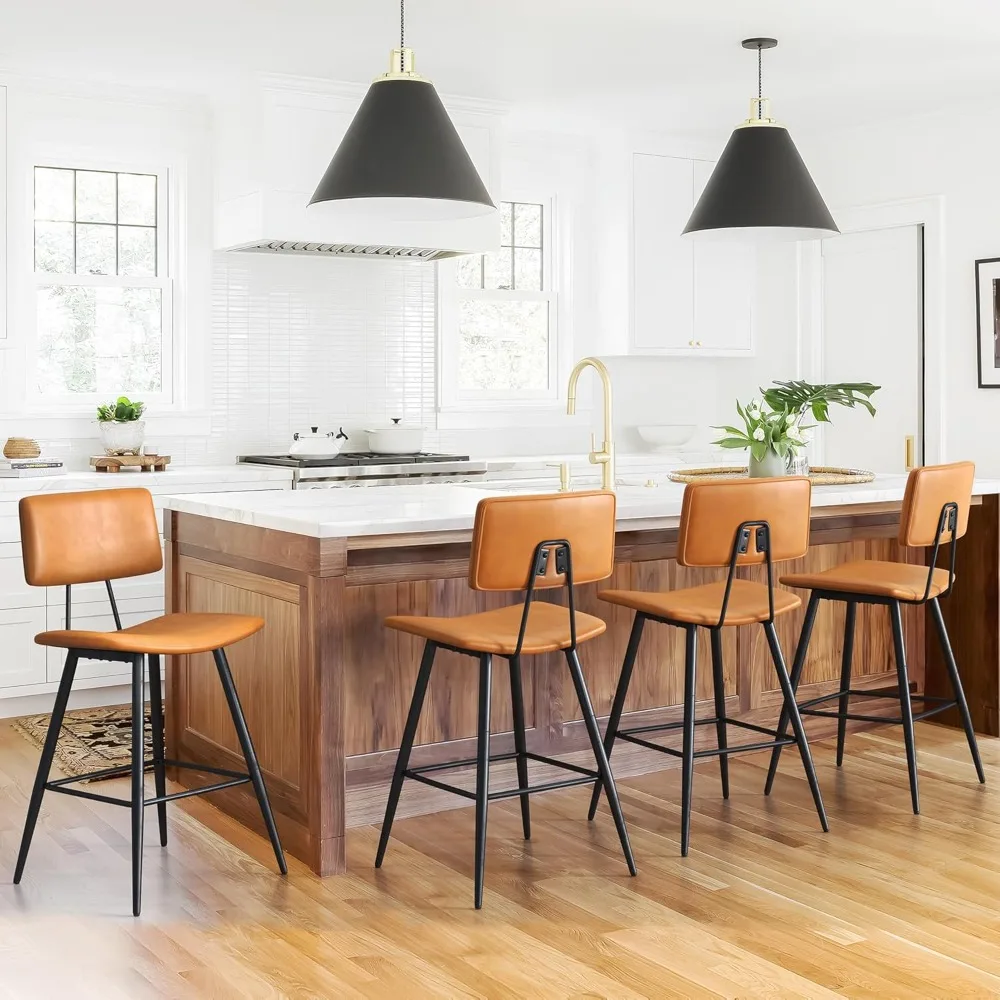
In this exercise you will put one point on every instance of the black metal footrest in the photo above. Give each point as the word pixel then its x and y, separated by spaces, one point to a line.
pixel 937 704
pixel 587 776
pixel 62 784
pixel 777 739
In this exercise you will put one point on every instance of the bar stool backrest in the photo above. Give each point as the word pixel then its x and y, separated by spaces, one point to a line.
pixel 713 513
pixel 509 530
pixel 928 491
pixel 89 536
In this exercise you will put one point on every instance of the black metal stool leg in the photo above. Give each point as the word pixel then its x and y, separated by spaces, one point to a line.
pixel 250 755
pixel 405 746
pixel 797 727
pixel 687 762
pixel 482 771
pixel 845 678
pixel 719 686
pixel 156 731
pixel 138 769
pixel 618 705
pixel 797 667
pixel 956 684
pixel 905 704
pixel 520 743
pixel 600 755
pixel 45 763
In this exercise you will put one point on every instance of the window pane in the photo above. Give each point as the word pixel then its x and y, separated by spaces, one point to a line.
pixel 469 271
pixel 95 249
pixel 496 269
pixel 527 225
pixel 95 196
pixel 53 194
pixel 104 340
pixel 137 251
pixel 54 247
pixel 503 346
pixel 505 226
pixel 137 199
pixel 528 270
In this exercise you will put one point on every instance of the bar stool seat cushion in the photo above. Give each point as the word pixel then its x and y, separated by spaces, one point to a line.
pixel 496 631
pixel 899 581
pixel 175 634
pixel 702 605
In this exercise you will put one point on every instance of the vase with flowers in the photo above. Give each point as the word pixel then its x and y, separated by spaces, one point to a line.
pixel 772 436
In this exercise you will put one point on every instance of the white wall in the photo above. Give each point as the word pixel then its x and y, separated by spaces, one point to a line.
pixel 953 155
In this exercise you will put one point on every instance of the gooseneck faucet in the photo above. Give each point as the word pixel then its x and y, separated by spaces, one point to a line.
pixel 605 458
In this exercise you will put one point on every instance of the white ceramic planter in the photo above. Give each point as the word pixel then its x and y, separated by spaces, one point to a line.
pixel 122 437
pixel 770 466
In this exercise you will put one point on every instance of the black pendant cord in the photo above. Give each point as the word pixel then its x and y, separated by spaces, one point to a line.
pixel 402 35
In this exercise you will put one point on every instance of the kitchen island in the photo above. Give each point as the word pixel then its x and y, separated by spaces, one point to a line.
pixel 325 687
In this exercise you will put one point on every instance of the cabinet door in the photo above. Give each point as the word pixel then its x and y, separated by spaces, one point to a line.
pixel 662 260
pixel 96 615
pixel 14 591
pixel 724 288
pixel 21 661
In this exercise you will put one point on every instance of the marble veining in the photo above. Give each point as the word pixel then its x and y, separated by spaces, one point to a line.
pixel 382 510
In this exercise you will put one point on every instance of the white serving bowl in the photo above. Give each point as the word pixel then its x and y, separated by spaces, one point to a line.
pixel 666 437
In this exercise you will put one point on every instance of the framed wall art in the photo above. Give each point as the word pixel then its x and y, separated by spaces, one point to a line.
pixel 988 321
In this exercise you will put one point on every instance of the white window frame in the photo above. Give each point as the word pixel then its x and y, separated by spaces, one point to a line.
pixel 70 403
pixel 450 295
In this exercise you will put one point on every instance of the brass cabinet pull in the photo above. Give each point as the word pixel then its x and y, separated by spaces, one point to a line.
pixel 908 452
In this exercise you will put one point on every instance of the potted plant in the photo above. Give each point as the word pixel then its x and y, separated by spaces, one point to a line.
pixel 122 426
pixel 771 436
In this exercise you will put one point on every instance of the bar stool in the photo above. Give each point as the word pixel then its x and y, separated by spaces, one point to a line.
pixel 732 524
pixel 97 535
pixel 935 512
pixel 531 544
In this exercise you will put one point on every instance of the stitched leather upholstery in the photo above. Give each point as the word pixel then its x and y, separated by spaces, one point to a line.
pixel 88 536
pixel 508 529
pixel 879 579
pixel 711 513
pixel 927 490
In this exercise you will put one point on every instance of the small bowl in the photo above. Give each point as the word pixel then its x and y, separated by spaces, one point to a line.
pixel 666 437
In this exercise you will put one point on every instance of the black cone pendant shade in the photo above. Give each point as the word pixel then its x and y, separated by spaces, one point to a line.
pixel 760 188
pixel 402 157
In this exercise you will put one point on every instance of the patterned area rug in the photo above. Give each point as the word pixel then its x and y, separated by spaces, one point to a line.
pixel 91 738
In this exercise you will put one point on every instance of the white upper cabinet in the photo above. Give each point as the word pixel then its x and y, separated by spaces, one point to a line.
pixel 688 297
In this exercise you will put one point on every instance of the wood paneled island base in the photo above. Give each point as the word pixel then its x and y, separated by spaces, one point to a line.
pixel 325 687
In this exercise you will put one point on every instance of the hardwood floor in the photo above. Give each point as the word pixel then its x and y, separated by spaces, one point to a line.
pixel 886 905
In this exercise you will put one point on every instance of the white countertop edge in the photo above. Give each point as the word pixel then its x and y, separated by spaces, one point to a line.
pixel 427 508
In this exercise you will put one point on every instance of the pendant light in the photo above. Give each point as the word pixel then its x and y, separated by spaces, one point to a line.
pixel 760 189
pixel 401 158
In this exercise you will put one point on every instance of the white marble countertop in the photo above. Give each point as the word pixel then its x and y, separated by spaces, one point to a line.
pixel 390 510
pixel 180 477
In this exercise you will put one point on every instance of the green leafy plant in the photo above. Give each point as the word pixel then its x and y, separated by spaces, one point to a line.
pixel 766 429
pixel 798 397
pixel 122 410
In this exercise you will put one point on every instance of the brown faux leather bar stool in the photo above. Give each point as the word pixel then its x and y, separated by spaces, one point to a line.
pixel 103 535
pixel 530 544
pixel 935 513
pixel 734 524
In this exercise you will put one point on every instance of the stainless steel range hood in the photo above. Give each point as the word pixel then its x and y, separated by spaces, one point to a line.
pixel 348 250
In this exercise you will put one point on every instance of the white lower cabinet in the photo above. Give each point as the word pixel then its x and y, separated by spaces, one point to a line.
pixel 21 660
pixel 96 616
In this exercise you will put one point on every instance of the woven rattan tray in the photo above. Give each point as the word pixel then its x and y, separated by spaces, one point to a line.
pixel 821 475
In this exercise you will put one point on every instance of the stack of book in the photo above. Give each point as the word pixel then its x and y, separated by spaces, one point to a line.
pixel 17 468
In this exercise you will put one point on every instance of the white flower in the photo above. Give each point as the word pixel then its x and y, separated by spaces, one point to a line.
pixel 758 434
pixel 794 434
pixel 790 419
pixel 753 407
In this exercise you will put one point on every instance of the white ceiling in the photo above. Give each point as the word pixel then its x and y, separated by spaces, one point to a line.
pixel 658 63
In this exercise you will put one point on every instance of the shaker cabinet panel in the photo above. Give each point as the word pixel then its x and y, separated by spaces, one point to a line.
pixel 662 260
pixel 21 660
pixel 689 297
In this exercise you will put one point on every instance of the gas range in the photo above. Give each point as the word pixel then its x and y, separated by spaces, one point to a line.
pixel 362 468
